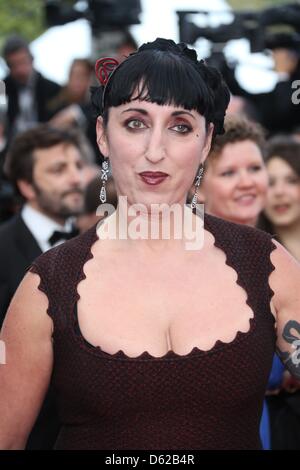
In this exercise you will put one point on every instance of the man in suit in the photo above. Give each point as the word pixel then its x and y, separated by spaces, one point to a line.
pixel 27 91
pixel 47 169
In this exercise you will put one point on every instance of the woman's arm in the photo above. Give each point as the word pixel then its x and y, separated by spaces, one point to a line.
pixel 285 282
pixel 25 376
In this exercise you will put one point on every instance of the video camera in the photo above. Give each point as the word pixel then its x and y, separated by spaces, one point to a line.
pixel 252 25
pixel 102 14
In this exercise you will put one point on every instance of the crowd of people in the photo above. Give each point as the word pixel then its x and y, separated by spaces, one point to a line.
pixel 181 119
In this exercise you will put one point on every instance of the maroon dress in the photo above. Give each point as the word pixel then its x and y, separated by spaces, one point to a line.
pixel 202 400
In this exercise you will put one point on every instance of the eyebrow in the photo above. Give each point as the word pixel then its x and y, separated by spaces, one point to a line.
pixel 60 163
pixel 143 111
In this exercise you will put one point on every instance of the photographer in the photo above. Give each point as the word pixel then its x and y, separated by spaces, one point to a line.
pixel 275 109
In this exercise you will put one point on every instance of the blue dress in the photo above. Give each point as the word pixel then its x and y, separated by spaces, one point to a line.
pixel 275 379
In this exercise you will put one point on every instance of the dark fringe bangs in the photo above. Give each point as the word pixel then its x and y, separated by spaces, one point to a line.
pixel 160 78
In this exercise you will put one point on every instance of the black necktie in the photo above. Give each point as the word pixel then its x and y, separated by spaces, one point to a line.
pixel 60 235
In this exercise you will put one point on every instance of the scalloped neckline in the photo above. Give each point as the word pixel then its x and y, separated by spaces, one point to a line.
pixel 145 355
pixel 169 355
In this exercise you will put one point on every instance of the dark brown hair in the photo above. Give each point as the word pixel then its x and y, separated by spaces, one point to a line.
pixel 84 62
pixel 19 161
pixel 237 129
pixel 288 149
pixel 14 44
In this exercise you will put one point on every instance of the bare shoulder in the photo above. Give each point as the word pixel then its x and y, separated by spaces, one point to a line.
pixel 26 372
pixel 285 278
pixel 285 282
pixel 28 308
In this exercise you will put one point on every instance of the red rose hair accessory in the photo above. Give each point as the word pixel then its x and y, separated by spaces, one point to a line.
pixel 104 68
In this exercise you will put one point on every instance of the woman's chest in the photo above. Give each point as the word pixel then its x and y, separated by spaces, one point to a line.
pixel 176 305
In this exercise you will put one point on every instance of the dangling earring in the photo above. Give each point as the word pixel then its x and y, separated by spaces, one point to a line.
pixel 104 173
pixel 197 184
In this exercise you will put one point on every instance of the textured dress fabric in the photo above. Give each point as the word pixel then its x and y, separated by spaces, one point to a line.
pixel 202 400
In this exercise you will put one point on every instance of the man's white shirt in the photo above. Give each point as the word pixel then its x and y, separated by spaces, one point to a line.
pixel 42 226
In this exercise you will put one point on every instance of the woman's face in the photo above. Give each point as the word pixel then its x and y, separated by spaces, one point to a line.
pixel 283 199
pixel 146 137
pixel 235 183
pixel 79 80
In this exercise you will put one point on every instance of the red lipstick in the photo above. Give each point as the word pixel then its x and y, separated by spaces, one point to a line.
pixel 153 177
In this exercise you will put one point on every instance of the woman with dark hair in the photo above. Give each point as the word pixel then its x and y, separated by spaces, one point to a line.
pixel 152 343
pixel 76 91
pixel 281 218
pixel 71 108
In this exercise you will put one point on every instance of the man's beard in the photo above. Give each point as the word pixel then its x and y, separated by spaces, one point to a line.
pixel 57 208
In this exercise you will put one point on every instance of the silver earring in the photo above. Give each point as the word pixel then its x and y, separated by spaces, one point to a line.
pixel 104 173
pixel 197 184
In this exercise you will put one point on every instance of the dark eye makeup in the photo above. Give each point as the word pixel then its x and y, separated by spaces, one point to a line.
pixel 137 124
